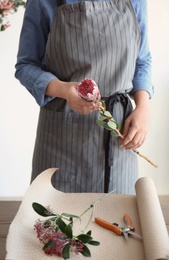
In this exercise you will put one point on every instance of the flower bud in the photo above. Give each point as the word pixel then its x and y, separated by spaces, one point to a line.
pixel 88 90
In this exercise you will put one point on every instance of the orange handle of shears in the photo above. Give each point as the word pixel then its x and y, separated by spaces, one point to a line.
pixel 108 225
pixel 127 220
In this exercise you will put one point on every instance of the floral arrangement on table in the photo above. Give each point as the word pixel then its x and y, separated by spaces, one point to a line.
pixel 8 7
pixel 89 91
pixel 57 234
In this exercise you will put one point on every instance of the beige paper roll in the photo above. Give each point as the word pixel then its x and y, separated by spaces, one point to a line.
pixel 154 231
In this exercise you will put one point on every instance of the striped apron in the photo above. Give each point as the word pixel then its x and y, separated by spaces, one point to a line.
pixel 99 40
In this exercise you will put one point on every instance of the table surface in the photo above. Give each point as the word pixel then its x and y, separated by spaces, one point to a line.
pixel 8 210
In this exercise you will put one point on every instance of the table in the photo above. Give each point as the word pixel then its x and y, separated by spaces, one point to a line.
pixel 8 210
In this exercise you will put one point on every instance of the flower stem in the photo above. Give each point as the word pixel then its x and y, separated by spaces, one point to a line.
pixel 102 110
pixel 137 152
pixel 92 207
pixel 146 158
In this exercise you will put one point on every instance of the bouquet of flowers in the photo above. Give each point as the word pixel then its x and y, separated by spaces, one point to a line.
pixel 56 233
pixel 8 7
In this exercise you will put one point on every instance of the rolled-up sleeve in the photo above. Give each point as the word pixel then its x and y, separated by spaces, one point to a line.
pixel 30 66
pixel 142 76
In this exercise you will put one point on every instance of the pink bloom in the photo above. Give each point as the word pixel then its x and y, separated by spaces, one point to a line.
pixel 89 90
pixel 6 6
pixel 7 25
pixel 54 240
pixel 77 246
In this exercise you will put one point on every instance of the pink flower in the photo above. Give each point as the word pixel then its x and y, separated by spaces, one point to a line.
pixel 77 246
pixel 88 90
pixel 6 6
pixel 55 240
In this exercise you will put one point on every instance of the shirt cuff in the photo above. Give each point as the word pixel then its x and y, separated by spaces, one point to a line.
pixel 40 86
pixel 142 84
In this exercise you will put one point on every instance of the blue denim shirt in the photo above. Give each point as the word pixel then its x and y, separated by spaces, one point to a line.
pixel 30 66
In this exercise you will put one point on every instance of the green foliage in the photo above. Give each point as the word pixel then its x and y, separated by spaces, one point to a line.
pixel 107 121
pixel 112 124
pixel 94 243
pixel 42 211
pixel 64 223
pixel 107 114
pixel 61 224
pixel 50 244
pixel 17 3
pixel 89 233
pixel 86 251
pixel 68 231
pixel 85 238
pixel 66 252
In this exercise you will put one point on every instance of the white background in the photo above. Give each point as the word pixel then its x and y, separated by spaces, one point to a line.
pixel 19 111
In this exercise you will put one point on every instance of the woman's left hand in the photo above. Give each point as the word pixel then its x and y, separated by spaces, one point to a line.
pixel 136 125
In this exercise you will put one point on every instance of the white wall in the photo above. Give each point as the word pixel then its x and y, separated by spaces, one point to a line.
pixel 157 143
pixel 19 112
pixel 18 117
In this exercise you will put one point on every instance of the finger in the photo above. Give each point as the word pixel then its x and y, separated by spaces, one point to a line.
pixel 98 105
pixel 126 127
pixel 129 137
pixel 84 107
pixel 85 110
pixel 136 142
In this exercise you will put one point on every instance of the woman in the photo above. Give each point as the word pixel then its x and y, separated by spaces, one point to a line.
pixel 62 43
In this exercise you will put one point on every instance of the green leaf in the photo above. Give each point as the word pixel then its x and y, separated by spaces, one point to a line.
pixel 50 244
pixel 101 123
pixel 94 243
pixel 70 216
pixel 114 134
pixel 66 252
pixel 104 124
pixel 108 114
pixel 68 231
pixel 85 238
pixel 61 224
pixel 41 210
pixel 103 104
pixel 86 251
pixel 107 127
pixel 102 117
pixel 112 124
pixel 118 126
pixel 89 233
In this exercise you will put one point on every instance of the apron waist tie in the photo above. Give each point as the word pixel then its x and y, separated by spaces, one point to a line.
pixel 110 102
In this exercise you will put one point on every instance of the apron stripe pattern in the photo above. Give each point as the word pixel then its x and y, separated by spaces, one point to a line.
pixel 70 151
pixel 99 40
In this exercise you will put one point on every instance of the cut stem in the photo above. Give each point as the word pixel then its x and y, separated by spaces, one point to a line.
pixel 145 157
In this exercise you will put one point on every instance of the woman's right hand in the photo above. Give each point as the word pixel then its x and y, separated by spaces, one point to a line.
pixel 68 91
pixel 77 103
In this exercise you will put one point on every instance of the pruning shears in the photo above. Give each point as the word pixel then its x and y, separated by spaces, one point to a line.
pixel 126 230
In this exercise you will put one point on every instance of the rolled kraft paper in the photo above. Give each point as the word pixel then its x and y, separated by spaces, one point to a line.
pixel 154 231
